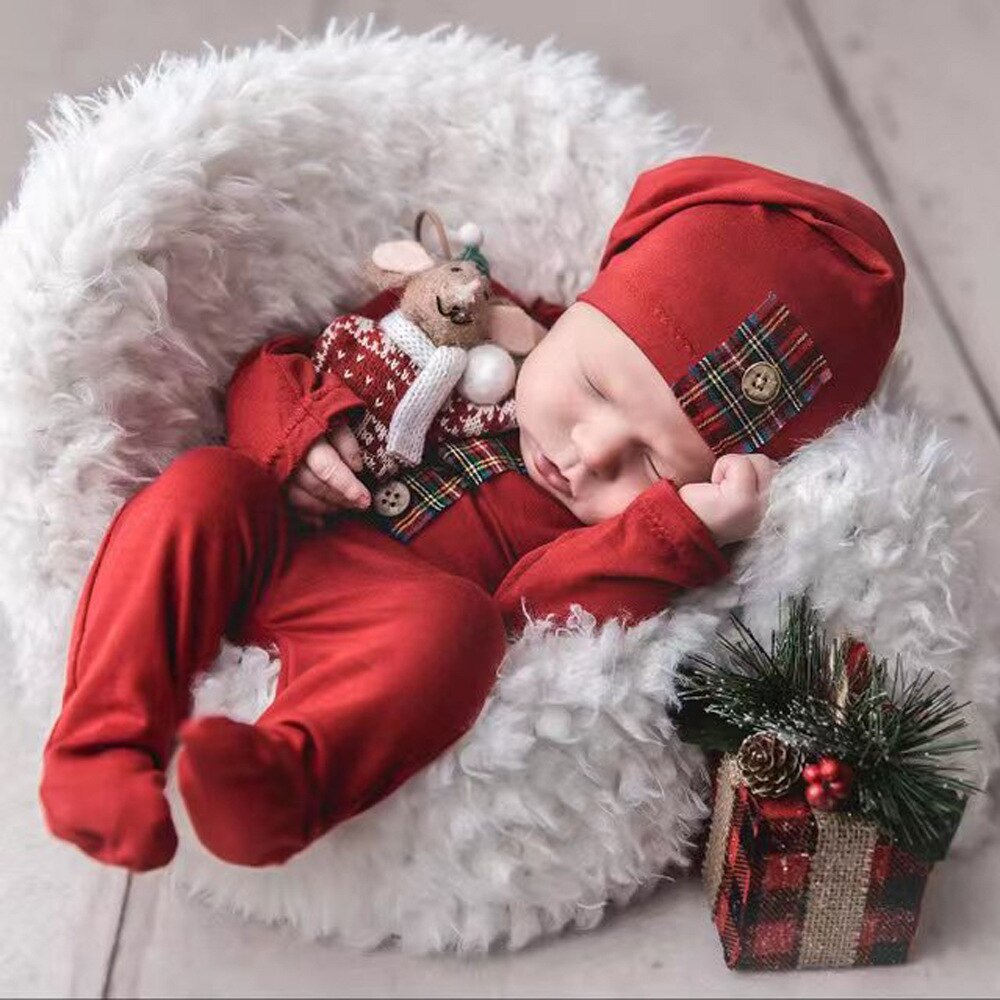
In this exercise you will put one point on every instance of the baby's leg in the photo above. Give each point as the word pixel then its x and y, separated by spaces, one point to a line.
pixel 180 564
pixel 386 660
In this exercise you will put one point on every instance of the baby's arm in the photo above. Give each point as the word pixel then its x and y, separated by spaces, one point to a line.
pixel 277 405
pixel 631 565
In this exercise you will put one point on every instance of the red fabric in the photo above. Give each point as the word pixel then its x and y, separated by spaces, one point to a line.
pixel 388 650
pixel 375 681
pixel 702 240
pixel 629 566
pixel 276 404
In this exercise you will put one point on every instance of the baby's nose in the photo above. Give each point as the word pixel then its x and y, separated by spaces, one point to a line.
pixel 605 465
pixel 602 445
pixel 602 457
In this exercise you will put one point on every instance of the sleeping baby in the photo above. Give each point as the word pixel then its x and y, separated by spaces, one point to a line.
pixel 736 314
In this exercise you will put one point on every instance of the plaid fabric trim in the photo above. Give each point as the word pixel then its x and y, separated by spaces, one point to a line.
pixel 711 393
pixel 458 466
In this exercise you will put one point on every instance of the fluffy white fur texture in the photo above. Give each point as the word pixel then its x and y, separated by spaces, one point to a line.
pixel 164 229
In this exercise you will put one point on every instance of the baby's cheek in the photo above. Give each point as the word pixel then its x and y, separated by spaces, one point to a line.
pixel 523 403
pixel 606 502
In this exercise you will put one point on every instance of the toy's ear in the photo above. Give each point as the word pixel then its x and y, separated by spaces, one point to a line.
pixel 512 328
pixel 394 263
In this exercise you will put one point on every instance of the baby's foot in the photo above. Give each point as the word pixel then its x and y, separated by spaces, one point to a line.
pixel 246 791
pixel 110 803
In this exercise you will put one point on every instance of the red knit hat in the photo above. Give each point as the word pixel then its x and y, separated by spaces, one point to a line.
pixel 769 304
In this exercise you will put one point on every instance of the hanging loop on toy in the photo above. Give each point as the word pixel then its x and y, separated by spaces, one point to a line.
pixel 442 233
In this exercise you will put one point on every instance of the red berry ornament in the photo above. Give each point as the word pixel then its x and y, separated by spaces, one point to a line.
pixel 828 783
pixel 829 769
pixel 818 797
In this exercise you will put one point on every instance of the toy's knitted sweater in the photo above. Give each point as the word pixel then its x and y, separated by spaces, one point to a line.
pixel 509 535
pixel 366 356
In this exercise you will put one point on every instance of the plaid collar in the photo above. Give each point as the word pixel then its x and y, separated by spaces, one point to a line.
pixel 412 498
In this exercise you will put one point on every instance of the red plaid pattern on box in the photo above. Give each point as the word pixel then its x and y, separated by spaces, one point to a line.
pixel 791 888
pixel 457 466
pixel 711 391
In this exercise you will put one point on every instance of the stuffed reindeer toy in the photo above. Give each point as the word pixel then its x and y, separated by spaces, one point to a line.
pixel 440 366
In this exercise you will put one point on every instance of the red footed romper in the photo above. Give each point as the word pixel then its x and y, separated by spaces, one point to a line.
pixel 388 648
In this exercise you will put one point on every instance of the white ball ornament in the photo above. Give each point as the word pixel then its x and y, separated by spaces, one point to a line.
pixel 470 235
pixel 489 375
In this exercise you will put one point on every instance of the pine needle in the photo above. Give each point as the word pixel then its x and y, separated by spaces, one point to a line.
pixel 901 734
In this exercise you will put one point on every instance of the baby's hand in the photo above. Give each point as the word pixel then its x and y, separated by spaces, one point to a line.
pixel 323 481
pixel 732 504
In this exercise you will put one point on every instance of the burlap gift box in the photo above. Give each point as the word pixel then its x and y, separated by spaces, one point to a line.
pixel 791 887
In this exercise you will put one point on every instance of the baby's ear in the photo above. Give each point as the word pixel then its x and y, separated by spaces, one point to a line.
pixel 392 264
pixel 511 327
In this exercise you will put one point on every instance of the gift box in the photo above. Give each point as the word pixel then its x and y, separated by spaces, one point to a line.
pixel 792 887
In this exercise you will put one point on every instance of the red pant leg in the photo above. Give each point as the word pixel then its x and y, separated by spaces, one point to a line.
pixel 386 660
pixel 181 563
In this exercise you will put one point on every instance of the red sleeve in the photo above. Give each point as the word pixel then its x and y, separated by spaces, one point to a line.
pixel 629 566
pixel 277 405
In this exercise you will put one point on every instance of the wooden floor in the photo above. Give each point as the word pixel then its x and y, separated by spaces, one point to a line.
pixel 894 101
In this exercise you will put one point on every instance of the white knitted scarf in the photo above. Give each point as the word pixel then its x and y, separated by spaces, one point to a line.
pixel 440 369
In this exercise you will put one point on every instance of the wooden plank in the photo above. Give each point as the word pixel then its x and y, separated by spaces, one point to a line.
pixel 48 889
pixel 665 946
pixel 924 78
pixel 75 46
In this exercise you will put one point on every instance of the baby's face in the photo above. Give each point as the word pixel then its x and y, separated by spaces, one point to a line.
pixel 592 404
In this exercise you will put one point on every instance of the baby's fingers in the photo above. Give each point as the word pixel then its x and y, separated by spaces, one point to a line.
pixel 325 462
pixel 737 472
pixel 766 470
pixel 305 503
pixel 342 438
pixel 307 480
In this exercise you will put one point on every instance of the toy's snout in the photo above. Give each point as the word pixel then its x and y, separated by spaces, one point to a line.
pixel 461 292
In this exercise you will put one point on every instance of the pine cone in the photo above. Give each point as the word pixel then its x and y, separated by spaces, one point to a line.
pixel 768 767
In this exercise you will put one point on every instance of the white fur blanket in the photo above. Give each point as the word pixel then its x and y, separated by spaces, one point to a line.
pixel 164 229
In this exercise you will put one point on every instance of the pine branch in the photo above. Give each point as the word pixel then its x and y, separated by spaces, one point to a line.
pixel 901 735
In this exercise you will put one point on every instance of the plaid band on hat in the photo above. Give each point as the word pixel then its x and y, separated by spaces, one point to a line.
pixel 712 391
